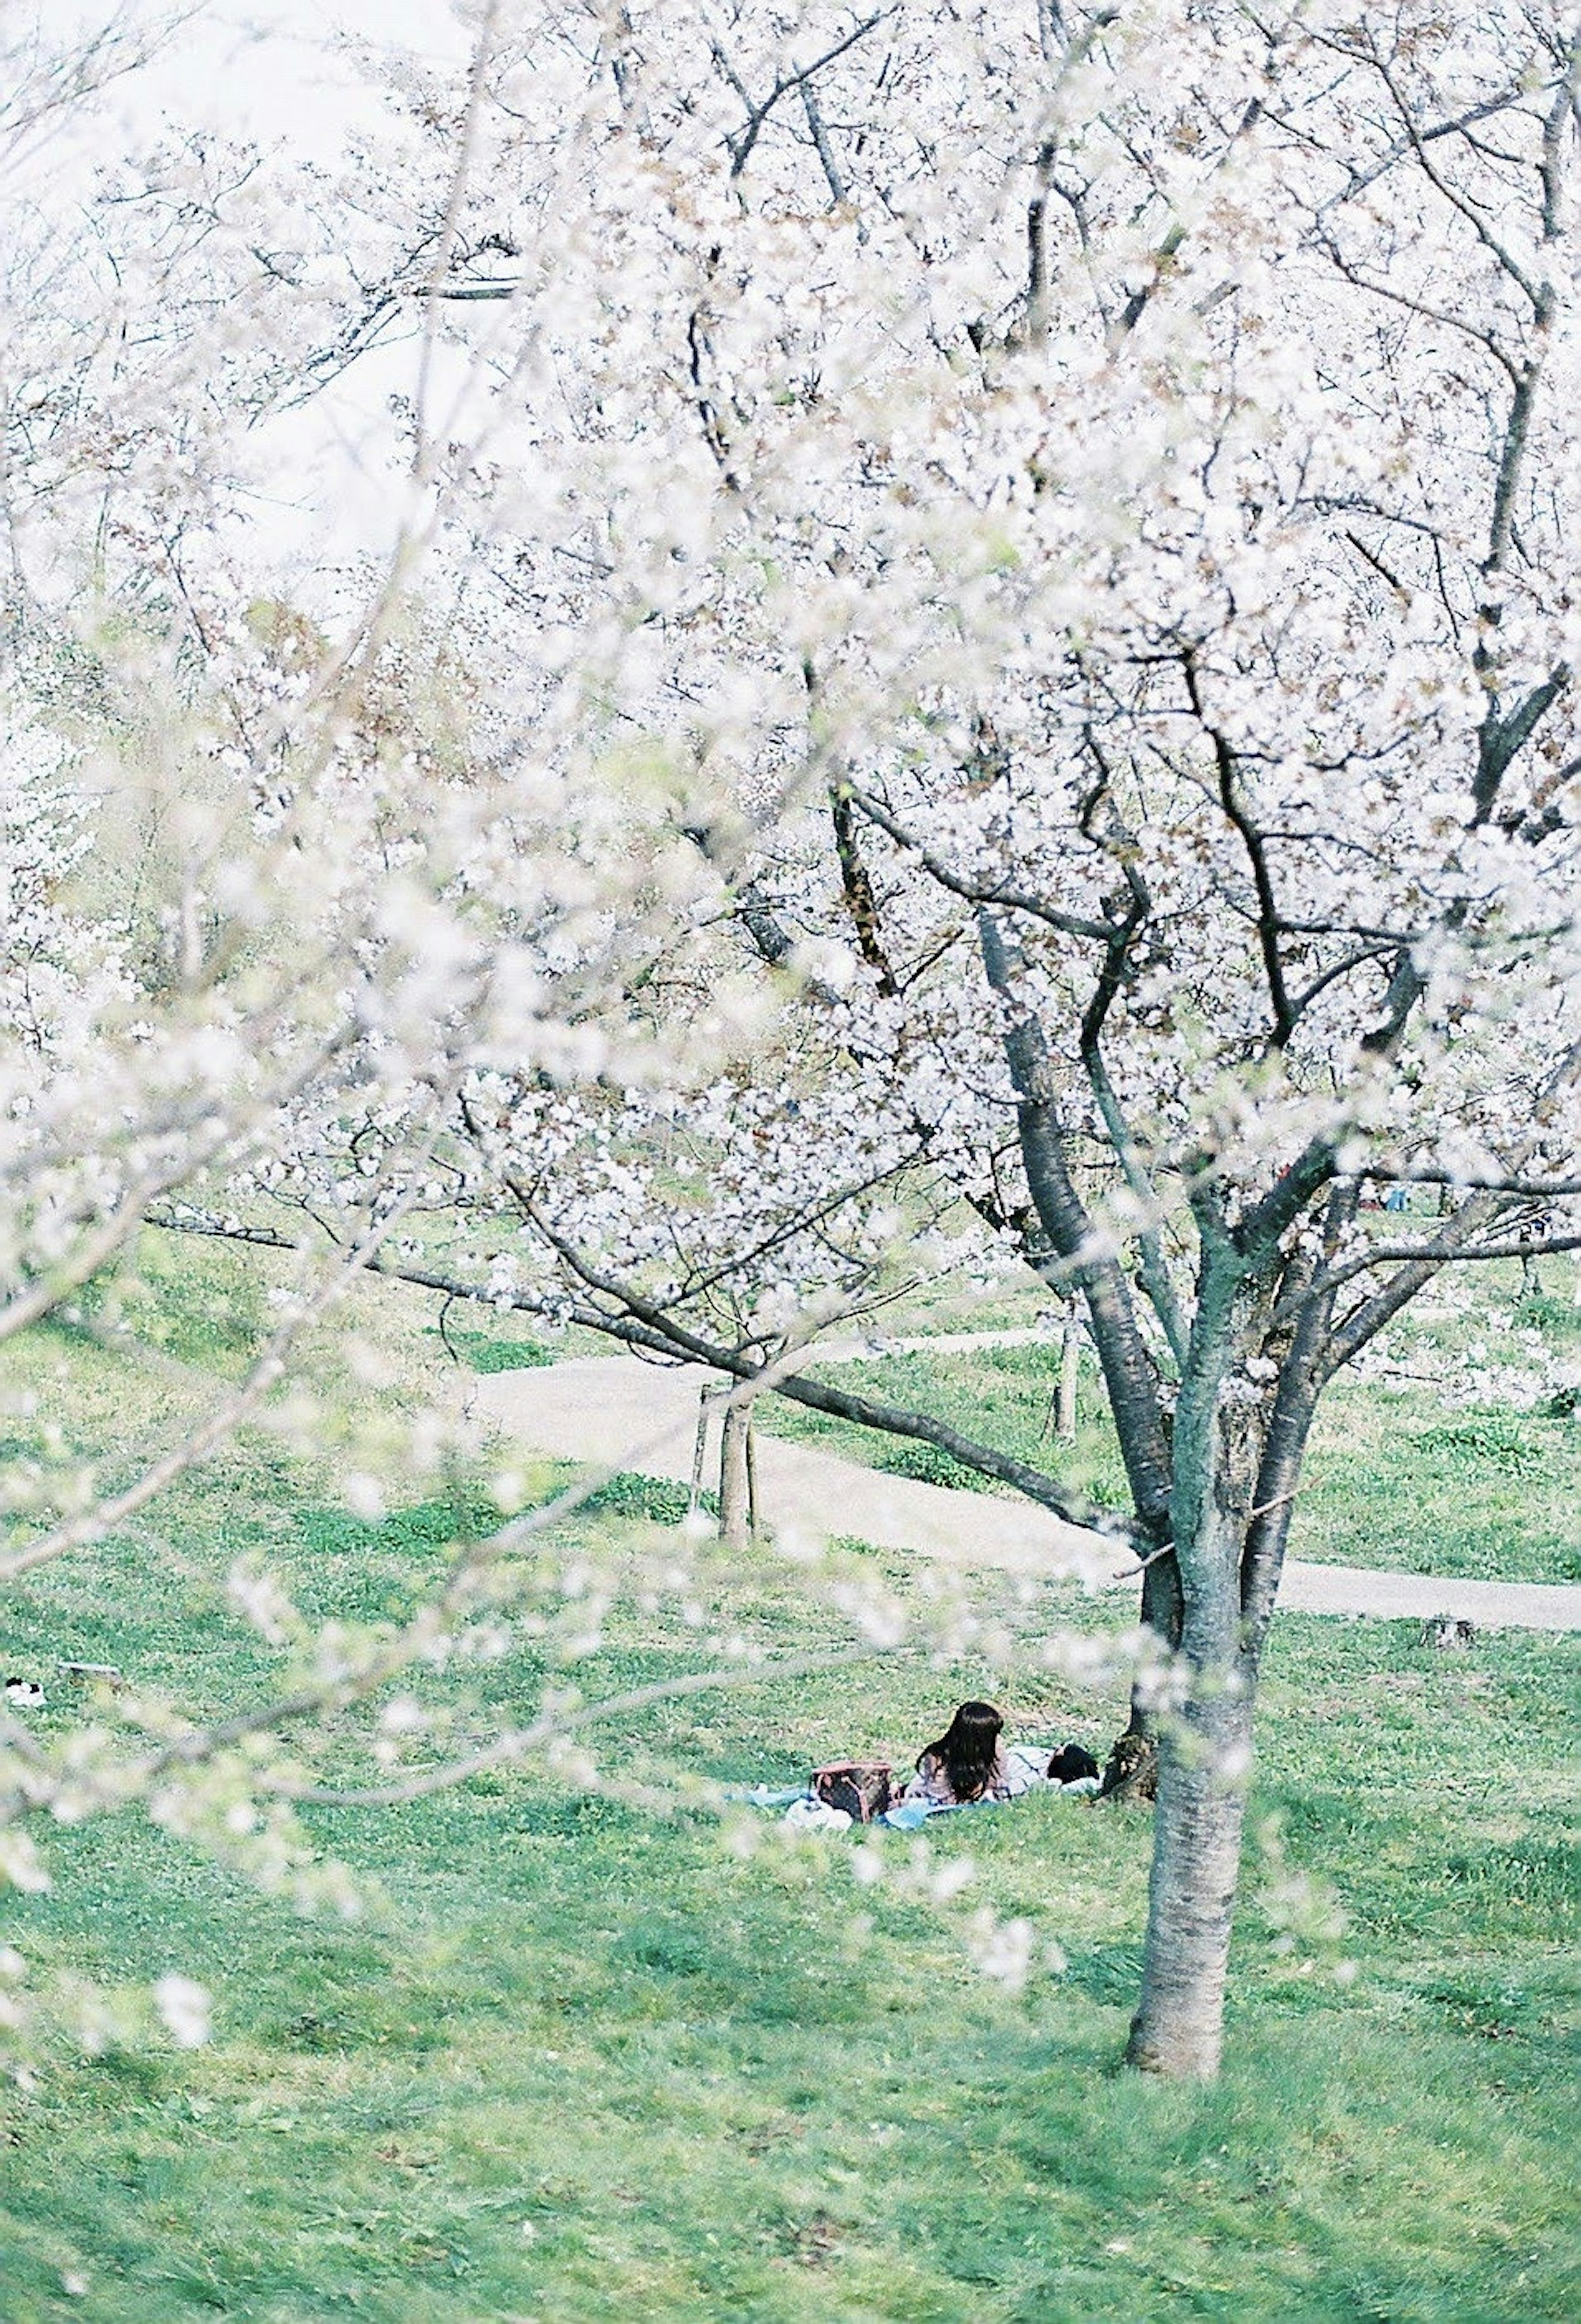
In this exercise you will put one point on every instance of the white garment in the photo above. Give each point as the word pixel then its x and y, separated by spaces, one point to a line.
pixel 813 1815
pixel 1029 1763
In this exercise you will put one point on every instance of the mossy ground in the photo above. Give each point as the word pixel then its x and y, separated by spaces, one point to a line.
pixel 616 2053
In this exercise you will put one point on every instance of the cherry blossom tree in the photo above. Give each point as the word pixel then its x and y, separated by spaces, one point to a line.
pixel 1065 517
pixel 251 879
pixel 1012 573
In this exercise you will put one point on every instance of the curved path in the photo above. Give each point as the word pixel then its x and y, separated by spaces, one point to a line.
pixel 617 1412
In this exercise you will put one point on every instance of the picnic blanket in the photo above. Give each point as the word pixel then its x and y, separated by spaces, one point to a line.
pixel 803 1812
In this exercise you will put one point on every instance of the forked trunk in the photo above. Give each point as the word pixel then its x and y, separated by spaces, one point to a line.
pixel 1204 1759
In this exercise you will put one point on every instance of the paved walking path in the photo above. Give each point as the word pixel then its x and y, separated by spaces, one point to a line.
pixel 618 1412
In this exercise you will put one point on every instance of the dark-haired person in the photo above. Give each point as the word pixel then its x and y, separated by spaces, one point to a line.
pixel 967 1763
pixel 1073 1764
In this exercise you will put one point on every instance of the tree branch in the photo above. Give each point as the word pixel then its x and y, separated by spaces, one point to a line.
pixel 889 1420
pixel 978 892
pixel 745 138
pixel 1366 1321
pixel 1128 1367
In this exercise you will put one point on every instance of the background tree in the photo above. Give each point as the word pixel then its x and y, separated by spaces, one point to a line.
pixel 1013 576
pixel 258 869
pixel 1096 483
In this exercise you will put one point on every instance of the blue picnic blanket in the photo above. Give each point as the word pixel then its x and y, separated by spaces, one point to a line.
pixel 1027 1762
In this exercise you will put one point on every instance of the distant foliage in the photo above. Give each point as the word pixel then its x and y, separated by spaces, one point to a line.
pixel 487 1354
pixel 658 1499
pixel 1498 1440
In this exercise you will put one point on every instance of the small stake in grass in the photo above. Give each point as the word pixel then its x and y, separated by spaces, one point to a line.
pixel 1447 1631
pixel 737 1465
pixel 92 1675
pixel 738 1477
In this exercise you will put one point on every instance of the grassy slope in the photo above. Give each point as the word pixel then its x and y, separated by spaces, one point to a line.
pixel 1396 1477
pixel 716 2084
pixel 585 2060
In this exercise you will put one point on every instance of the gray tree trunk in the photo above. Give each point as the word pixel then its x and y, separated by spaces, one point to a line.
pixel 1222 1443
pixel 1203 1767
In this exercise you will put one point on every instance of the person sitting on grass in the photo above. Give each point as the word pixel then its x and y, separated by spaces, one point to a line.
pixel 967 1763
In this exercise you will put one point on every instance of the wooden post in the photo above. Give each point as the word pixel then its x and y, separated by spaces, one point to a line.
pixel 1069 1371
pixel 735 1484
pixel 699 1453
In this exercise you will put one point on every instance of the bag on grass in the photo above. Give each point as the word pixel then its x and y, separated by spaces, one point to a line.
pixel 863 1788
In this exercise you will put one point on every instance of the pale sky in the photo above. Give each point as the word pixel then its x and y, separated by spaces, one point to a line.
pixel 330 475
pixel 270 68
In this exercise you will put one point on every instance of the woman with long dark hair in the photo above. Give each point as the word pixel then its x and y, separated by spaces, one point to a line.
pixel 967 1763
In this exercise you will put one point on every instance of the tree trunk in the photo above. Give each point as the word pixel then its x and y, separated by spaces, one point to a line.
pixel 735 1491
pixel 1220 1448
pixel 1069 1371
pixel 1203 1765
pixel 1161 1612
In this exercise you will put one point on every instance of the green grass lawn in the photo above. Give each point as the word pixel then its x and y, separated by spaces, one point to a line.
pixel 1396 1477
pixel 585 2059
pixel 599 2049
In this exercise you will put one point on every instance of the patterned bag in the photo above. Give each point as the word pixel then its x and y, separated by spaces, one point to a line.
pixel 864 1788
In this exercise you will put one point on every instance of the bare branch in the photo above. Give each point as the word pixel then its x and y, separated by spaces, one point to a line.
pixel 1268 918
pixel 818 131
pixel 1122 1352
pixel 974 891
pixel 889 1420
pixel 1369 1319
pixel 745 138
pixel 517 1741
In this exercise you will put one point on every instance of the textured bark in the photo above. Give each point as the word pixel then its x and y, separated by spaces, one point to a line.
pixel 1132 1772
pixel 1129 1374
pixel 1221 1439
pixel 1177 2028
pixel 735 1494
